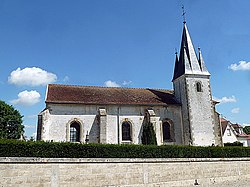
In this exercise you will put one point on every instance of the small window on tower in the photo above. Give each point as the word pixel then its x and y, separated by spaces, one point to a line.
pixel 198 87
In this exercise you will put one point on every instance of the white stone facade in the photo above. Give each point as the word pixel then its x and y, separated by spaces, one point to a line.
pixel 56 120
pixel 197 109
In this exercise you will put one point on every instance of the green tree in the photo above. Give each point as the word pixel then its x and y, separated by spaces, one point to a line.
pixel 148 134
pixel 246 129
pixel 10 122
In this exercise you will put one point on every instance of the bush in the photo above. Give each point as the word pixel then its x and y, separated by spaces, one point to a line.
pixel 15 148
pixel 148 134
pixel 233 144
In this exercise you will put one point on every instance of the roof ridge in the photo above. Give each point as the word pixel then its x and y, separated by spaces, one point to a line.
pixel 81 86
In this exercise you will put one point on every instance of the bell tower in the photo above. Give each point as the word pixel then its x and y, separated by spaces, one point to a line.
pixel 192 89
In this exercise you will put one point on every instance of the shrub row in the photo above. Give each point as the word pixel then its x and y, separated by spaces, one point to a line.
pixel 14 148
pixel 233 144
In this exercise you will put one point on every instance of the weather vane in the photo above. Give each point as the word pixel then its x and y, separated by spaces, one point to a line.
pixel 183 14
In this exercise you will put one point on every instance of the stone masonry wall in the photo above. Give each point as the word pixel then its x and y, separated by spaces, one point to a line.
pixel 201 112
pixel 58 117
pixel 123 172
pixel 198 113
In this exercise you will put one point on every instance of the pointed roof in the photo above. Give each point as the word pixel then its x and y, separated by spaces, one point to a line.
pixel 202 63
pixel 224 124
pixel 176 62
pixel 188 62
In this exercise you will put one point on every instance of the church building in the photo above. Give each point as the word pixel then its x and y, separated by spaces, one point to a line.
pixel 183 116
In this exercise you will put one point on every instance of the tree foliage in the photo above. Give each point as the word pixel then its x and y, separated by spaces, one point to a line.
pixel 246 129
pixel 148 134
pixel 10 122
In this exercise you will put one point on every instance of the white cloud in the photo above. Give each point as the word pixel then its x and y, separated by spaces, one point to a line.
pixel 223 100
pixel 29 126
pixel 243 65
pixel 235 110
pixel 33 135
pixel 66 79
pixel 27 98
pixel 126 83
pixel 111 84
pixel 31 77
pixel 246 124
pixel 32 116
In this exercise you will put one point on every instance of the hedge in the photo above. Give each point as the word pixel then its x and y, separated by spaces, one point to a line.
pixel 233 144
pixel 15 148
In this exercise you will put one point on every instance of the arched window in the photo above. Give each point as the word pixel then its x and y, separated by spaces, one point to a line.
pixel 75 132
pixel 198 87
pixel 126 131
pixel 166 130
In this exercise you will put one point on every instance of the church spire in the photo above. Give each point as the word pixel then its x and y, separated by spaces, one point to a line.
pixel 188 62
pixel 202 63
pixel 176 62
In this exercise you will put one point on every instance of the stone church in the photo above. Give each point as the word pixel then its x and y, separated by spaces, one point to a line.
pixel 183 116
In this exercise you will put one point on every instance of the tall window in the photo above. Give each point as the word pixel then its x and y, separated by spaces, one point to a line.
pixel 198 87
pixel 166 129
pixel 126 131
pixel 75 132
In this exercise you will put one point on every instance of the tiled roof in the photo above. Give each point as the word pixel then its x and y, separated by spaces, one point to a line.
pixel 236 126
pixel 223 119
pixel 245 136
pixel 223 125
pixel 57 93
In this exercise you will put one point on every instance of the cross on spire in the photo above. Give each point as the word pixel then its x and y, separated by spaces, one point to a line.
pixel 183 14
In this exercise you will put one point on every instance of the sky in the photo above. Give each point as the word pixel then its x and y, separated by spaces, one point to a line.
pixel 124 43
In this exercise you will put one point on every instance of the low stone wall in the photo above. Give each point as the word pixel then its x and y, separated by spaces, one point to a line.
pixel 64 172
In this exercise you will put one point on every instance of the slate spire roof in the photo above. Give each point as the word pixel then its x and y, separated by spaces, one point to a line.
pixel 188 63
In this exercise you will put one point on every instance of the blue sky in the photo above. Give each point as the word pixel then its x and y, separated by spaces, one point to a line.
pixel 129 43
